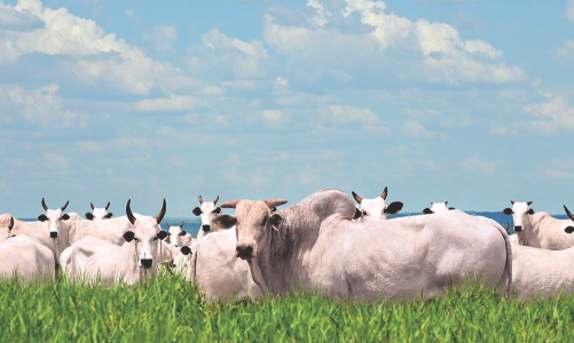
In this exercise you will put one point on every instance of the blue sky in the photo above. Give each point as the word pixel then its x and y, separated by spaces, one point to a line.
pixel 466 101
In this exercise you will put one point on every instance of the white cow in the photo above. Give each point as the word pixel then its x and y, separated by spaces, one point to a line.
pixel 539 230
pixel 24 257
pixel 376 208
pixel 93 259
pixel 99 213
pixel 540 272
pixel 438 207
pixel 177 236
pixel 217 271
pixel 207 210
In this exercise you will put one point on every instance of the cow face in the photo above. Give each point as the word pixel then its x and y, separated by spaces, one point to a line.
pixel 519 211
pixel 99 213
pixel 207 211
pixel 146 235
pixel 254 220
pixel 376 208
pixel 54 218
pixel 438 207
pixel 177 236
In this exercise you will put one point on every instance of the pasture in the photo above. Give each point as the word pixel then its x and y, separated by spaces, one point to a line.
pixel 170 309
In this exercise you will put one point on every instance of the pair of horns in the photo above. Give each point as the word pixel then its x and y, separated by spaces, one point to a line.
pixel 214 201
pixel 158 218
pixel 45 207
pixel 528 202
pixel 93 207
pixel 271 203
pixel 359 199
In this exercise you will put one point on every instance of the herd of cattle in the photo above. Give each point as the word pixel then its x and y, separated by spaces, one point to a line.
pixel 326 243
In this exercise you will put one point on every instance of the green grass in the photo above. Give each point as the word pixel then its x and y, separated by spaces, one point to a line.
pixel 169 309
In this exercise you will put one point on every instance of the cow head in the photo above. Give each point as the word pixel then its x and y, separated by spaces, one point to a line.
pixel 519 211
pixel 207 211
pixel 99 213
pixel 146 234
pixel 177 236
pixel 438 207
pixel 376 208
pixel 570 228
pixel 54 218
pixel 254 220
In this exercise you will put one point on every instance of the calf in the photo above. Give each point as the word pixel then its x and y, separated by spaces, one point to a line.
pixel 539 229
pixel 207 211
pixel 376 208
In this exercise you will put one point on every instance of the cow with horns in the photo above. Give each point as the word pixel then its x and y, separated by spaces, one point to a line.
pixel 207 211
pixel 99 213
pixel 376 209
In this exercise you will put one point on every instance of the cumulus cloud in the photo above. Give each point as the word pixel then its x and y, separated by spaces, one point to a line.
pixel 414 128
pixel 343 116
pixel 473 163
pixel 41 106
pixel 162 37
pixel 12 19
pixel 554 114
pixel 320 18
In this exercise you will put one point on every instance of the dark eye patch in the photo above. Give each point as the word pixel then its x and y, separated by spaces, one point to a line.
pixel 217 210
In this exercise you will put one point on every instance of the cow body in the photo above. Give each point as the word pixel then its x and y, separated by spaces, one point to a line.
pixel 27 259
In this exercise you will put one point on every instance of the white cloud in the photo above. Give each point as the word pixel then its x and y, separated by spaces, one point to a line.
pixel 320 18
pixel 12 19
pixel 168 103
pixel 38 106
pixel 570 10
pixel 554 114
pixel 273 118
pixel 343 115
pixel 162 37
pixel 473 163
pixel 414 128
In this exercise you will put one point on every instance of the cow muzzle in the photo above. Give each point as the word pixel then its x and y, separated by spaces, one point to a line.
pixel 518 228
pixel 244 252
pixel 206 228
pixel 53 234
pixel 146 262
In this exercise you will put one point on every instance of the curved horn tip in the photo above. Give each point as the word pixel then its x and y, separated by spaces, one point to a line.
pixel 11 224
pixel 44 206
pixel 162 212
pixel 216 200
pixel 108 205
pixel 357 197
pixel 129 212
pixel 385 193
pixel 92 206
pixel 65 205
pixel 568 213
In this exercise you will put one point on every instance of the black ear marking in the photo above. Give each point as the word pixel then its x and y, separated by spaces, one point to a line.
pixel 185 250
pixel 42 218
pixel 65 216
pixel 89 216
pixel 507 211
pixel 451 208
pixel 530 211
pixel 357 214
pixel 161 235
pixel 108 215
pixel 217 210
pixel 569 229
pixel 196 211
pixel 427 211
pixel 129 236
pixel 394 207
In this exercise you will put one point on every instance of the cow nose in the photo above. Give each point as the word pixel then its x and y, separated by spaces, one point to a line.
pixel 244 252
pixel 206 228
pixel 53 234
pixel 518 228
pixel 146 262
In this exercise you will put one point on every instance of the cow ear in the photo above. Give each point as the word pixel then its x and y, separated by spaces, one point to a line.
pixel 196 211
pixel 161 235
pixel 217 210
pixel 224 221
pixel 108 215
pixel 394 207
pixel 357 214
pixel 276 220
pixel 507 211
pixel 569 229
pixel 427 211
pixel 65 216
pixel 452 208
pixel 42 218
pixel 89 216
pixel 185 250
pixel 129 236
pixel 530 211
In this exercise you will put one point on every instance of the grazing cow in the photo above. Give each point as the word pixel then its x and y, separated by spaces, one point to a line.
pixel 539 229
pixel 99 213
pixel 540 272
pixel 27 259
pixel 207 210
pixel 438 207
pixel 315 246
pixel 216 270
pixel 135 260
pixel 376 208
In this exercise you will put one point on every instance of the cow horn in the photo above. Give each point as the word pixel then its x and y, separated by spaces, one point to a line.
pixel 529 203
pixel 568 213
pixel 275 202
pixel 230 204
pixel 216 200
pixel 129 212
pixel 200 199
pixel 11 225
pixel 44 206
pixel 92 206
pixel 357 197
pixel 385 193
pixel 108 205
pixel 162 211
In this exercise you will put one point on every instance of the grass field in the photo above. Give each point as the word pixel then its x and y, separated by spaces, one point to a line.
pixel 169 309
